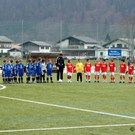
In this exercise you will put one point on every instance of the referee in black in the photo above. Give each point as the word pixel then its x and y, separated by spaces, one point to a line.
pixel 60 64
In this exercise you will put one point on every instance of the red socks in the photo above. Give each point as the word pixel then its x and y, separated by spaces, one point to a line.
pixel 86 77
pixel 123 78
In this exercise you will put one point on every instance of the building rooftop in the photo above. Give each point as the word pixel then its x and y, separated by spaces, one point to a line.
pixel 82 38
pixel 4 39
pixel 39 43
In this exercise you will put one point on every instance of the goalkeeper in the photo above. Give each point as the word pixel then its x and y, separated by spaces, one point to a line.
pixel 79 70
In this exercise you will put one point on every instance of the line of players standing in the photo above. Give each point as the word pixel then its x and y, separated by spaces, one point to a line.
pixel 35 69
pixel 103 67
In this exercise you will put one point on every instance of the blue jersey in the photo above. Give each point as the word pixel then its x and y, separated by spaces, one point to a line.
pixel 9 68
pixel 39 68
pixel 29 67
pixel 49 66
pixel 15 68
pixel 20 67
pixel 34 67
pixel 4 67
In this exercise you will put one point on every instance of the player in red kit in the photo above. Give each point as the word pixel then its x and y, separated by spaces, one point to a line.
pixel 112 69
pixel 104 70
pixel 88 70
pixel 97 70
pixel 122 70
pixel 69 70
pixel 131 71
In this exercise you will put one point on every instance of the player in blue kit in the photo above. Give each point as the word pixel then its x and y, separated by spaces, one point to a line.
pixel 15 71
pixel 12 61
pixel 39 70
pixel 4 71
pixel 34 70
pixel 28 70
pixel 9 71
pixel 49 67
pixel 20 71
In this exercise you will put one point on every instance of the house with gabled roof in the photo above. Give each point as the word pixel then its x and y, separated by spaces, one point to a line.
pixel 78 46
pixel 36 46
pixel 5 44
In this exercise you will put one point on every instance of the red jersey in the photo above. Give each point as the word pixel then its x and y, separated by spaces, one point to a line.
pixel 112 66
pixel 69 67
pixel 88 67
pixel 131 69
pixel 97 67
pixel 104 67
pixel 123 68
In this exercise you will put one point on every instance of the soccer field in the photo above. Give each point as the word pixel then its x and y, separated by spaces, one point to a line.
pixel 68 108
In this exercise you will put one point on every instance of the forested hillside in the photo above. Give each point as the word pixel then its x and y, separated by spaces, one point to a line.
pixel 75 11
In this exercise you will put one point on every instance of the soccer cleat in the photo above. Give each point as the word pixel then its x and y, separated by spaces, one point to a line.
pixel 70 81
pixel 89 81
pixel 51 81
pixel 120 82
pixel 98 81
pixel 86 81
pixel 77 81
pixel 123 81
pixel 111 82
pixel 33 82
pixel 95 81
pixel 44 81
pixel 81 81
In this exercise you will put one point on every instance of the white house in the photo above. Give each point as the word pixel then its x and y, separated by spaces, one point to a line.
pixel 120 43
pixel 5 44
pixel 16 52
pixel 36 46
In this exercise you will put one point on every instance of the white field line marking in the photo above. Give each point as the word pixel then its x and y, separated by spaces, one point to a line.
pixel 58 128
pixel 66 107
pixel 3 87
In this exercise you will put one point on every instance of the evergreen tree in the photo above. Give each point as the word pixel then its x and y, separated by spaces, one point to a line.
pixel 107 39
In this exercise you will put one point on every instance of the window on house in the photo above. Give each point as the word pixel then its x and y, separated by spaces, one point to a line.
pixel 9 45
pixel 119 45
pixel 42 47
pixel 0 45
pixel 125 46
pixel 5 45
pixel 47 47
pixel 113 46
pixel 101 54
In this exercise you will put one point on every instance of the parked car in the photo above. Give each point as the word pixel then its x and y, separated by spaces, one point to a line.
pixel 65 58
pixel 86 58
pixel 74 58
pixel 101 58
pixel 107 58
pixel 93 58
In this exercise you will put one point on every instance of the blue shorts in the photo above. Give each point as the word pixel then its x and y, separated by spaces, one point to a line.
pixel 16 73
pixel 28 74
pixel 12 75
pixel 4 75
pixel 39 73
pixel 20 74
pixel 49 72
pixel 34 73
pixel 8 73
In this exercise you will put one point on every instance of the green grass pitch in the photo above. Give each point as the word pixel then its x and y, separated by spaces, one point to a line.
pixel 101 97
